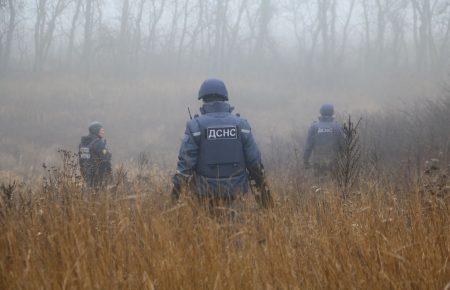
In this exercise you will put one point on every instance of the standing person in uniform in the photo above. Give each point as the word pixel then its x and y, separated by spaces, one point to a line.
pixel 94 157
pixel 324 140
pixel 218 155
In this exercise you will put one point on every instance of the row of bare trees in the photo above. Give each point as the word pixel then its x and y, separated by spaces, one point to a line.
pixel 318 37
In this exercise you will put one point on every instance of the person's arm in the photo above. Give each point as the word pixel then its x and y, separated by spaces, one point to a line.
pixel 254 165
pixel 187 159
pixel 104 157
pixel 340 137
pixel 251 150
pixel 309 145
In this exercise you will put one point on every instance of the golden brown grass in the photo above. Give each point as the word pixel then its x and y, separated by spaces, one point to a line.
pixel 62 238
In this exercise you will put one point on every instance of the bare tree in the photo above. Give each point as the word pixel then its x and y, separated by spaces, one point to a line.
pixel 124 29
pixel 138 30
pixel 445 46
pixel 198 28
pixel 382 8
pixel 265 15
pixel 72 32
pixel 324 27
pixel 170 42
pixel 88 35
pixel 396 18
pixel 345 32
pixel 426 52
pixel 220 30
pixel 324 34
pixel 157 8
pixel 184 30
pixel 367 34
pixel 48 13
pixel 12 7
pixel 235 29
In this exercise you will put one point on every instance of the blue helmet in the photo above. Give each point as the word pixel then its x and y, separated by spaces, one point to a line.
pixel 327 110
pixel 95 127
pixel 213 88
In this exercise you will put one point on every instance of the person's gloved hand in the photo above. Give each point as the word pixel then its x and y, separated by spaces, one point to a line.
pixel 265 198
pixel 175 194
pixel 179 182
pixel 257 174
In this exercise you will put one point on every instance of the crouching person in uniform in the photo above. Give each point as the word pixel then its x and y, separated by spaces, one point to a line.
pixel 95 158
pixel 325 139
pixel 218 154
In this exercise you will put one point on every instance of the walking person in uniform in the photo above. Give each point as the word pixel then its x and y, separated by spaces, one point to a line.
pixel 218 155
pixel 323 143
pixel 94 157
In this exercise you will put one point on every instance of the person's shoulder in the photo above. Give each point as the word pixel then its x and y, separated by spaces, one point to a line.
pixel 243 122
pixel 337 124
pixel 193 123
pixel 85 139
pixel 238 116
pixel 193 126
pixel 314 124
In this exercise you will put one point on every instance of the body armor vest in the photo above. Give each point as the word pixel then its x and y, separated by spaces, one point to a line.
pixel 221 153
pixel 326 141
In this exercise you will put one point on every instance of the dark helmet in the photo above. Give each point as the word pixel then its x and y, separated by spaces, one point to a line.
pixel 94 128
pixel 327 110
pixel 213 89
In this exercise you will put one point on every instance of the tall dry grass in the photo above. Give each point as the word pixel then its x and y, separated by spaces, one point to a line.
pixel 131 236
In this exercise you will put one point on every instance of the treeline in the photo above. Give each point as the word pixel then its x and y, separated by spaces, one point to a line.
pixel 317 39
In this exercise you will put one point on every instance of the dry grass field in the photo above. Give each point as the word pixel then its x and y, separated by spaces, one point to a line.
pixel 62 237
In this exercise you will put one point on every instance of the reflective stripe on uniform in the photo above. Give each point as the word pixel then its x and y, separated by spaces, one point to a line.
pixel 195 134
pixel 245 131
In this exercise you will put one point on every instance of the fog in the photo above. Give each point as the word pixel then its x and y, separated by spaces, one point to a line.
pixel 136 66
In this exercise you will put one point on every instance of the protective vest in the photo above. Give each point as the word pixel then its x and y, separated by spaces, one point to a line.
pixel 85 156
pixel 325 134
pixel 326 141
pixel 221 151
